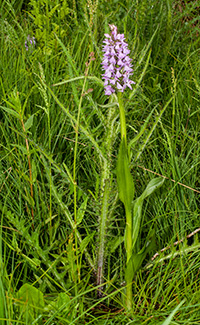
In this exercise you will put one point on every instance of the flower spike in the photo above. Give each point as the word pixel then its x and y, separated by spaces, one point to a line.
pixel 116 63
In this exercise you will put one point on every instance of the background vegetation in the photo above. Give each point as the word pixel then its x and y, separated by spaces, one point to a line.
pixel 54 128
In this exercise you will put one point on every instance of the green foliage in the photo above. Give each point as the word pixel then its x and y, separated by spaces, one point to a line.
pixel 31 302
pixel 49 18
pixel 60 257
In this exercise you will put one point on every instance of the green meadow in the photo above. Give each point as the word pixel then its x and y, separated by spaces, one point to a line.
pixel 63 226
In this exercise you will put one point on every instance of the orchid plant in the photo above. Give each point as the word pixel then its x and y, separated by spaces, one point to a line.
pixel 117 71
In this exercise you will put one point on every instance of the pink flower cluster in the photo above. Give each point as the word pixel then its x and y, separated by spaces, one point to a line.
pixel 116 63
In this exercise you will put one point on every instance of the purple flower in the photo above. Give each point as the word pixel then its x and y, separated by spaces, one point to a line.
pixel 109 90
pixel 116 63
pixel 30 43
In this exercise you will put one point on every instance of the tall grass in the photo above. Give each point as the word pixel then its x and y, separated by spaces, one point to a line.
pixel 62 254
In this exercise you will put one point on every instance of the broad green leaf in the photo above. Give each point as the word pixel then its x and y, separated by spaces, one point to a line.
pixel 124 177
pixel 137 258
pixel 10 111
pixel 31 295
pixel 29 123
pixel 32 298
pixel 153 185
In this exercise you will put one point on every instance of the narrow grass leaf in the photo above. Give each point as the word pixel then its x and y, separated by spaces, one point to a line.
pixel 69 58
pixel 72 70
pixel 2 302
pixel 86 241
pixel 151 131
pixel 146 48
pixel 81 212
pixel 87 134
pixel 143 128
pixel 93 78
pixel 169 318
pixel 141 77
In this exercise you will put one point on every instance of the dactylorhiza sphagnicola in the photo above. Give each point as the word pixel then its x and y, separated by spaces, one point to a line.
pixel 117 71
pixel 116 63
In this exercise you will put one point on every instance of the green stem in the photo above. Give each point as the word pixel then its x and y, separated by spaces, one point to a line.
pixel 74 166
pixel 129 276
pixel 128 279
pixel 50 174
pixel 122 117
pixel 74 176
pixel 105 197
